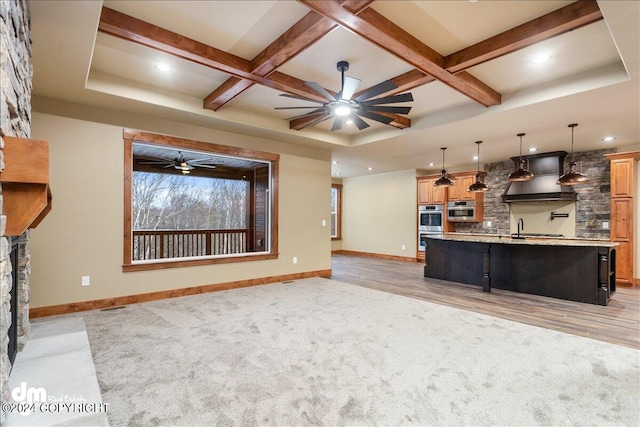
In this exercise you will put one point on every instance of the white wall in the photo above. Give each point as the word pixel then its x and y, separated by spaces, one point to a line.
pixel 83 234
pixel 379 213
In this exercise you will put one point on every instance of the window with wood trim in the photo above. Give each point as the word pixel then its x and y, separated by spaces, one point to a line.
pixel 336 211
pixel 192 203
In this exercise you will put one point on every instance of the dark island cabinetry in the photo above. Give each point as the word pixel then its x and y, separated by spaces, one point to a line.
pixel 582 271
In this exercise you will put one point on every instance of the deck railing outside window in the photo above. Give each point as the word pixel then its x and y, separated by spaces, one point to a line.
pixel 159 244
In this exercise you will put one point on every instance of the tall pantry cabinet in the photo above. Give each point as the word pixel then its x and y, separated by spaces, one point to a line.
pixel 624 170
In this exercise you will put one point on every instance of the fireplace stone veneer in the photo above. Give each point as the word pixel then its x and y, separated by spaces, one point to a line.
pixel 15 120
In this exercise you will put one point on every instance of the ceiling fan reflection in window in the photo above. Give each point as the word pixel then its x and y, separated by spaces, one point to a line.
pixel 181 164
pixel 343 107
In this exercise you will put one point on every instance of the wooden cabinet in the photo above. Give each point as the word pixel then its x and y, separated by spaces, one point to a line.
pixel 428 194
pixel 459 189
pixel 624 169
pixel 621 214
pixel 622 177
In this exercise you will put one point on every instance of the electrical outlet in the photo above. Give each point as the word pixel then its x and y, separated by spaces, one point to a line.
pixel 605 225
pixel 86 280
pixel 295 259
pixel 324 222
pixel 487 223
pixel 403 247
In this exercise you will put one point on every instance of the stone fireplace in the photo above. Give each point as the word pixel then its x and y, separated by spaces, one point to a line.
pixel 15 120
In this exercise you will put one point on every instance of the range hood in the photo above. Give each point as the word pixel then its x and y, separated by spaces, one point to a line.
pixel 546 168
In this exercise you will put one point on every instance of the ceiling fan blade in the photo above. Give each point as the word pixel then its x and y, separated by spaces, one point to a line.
pixel 309 119
pixel 203 159
pixel 360 123
pixel 301 98
pixel 295 108
pixel 337 124
pixel 350 86
pixel 388 109
pixel 376 90
pixel 152 163
pixel 373 116
pixel 320 120
pixel 316 111
pixel 393 99
pixel 322 91
pixel 206 166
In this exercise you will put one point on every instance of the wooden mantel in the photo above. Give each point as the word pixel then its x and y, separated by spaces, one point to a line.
pixel 26 196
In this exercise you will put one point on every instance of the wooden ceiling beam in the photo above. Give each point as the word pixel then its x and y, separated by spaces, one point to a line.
pixel 568 18
pixel 400 122
pixel 304 33
pixel 300 36
pixel 374 27
pixel 131 29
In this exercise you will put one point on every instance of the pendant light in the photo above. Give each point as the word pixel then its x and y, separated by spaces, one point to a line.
pixel 521 174
pixel 478 186
pixel 572 177
pixel 444 180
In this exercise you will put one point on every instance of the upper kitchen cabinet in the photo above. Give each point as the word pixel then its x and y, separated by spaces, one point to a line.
pixel 622 176
pixel 624 167
pixel 459 190
pixel 427 193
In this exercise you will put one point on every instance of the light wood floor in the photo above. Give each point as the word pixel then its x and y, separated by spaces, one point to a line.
pixel 618 322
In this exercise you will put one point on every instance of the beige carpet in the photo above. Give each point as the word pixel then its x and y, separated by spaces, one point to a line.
pixel 321 352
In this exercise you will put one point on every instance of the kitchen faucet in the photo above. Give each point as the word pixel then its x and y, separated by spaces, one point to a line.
pixel 520 227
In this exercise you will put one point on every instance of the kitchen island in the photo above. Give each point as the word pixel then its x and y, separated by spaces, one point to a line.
pixel 571 269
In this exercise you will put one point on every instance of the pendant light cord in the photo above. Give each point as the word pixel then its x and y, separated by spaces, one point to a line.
pixel 572 126
pixel 521 135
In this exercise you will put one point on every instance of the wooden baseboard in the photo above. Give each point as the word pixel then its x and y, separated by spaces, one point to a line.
pixel 74 307
pixel 374 255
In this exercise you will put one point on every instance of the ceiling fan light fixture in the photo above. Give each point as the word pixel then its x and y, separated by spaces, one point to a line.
pixel 342 110
pixel 573 176
pixel 444 180
pixel 478 186
pixel 520 174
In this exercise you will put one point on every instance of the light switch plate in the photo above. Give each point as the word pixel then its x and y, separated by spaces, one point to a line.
pixel 605 225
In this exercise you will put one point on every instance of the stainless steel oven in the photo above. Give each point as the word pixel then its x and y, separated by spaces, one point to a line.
pixel 431 218
pixel 422 239
pixel 461 211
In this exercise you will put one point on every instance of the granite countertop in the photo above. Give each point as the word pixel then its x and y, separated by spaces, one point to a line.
pixel 506 239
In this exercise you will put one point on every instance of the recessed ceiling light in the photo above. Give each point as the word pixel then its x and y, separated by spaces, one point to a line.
pixel 608 138
pixel 335 162
pixel 533 149
pixel 369 168
pixel 543 57
pixel 163 67
pixel 476 157
pixel 432 164
pixel 337 174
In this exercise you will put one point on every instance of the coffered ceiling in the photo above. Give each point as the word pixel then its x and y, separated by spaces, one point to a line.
pixel 469 65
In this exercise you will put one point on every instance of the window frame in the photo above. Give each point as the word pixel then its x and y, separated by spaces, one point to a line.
pixel 338 188
pixel 130 136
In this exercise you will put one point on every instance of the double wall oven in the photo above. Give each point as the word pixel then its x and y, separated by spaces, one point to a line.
pixel 430 222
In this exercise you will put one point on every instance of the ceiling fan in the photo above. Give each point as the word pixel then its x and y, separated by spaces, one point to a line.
pixel 343 107
pixel 181 164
